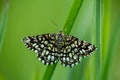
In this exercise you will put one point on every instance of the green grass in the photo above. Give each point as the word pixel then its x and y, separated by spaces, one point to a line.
pixel 94 21
pixel 67 27
pixel 72 16
pixel 111 35
pixel 49 72
pixel 98 40
pixel 4 8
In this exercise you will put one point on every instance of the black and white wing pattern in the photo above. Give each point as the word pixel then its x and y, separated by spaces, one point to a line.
pixel 45 46
pixel 52 48
pixel 74 49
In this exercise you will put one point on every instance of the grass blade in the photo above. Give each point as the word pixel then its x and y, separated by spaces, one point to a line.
pixel 72 16
pixel 112 49
pixel 3 21
pixel 113 42
pixel 98 40
pixel 66 29
pixel 82 30
pixel 105 37
pixel 49 72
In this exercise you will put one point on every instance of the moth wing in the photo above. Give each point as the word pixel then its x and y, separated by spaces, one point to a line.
pixel 74 49
pixel 45 46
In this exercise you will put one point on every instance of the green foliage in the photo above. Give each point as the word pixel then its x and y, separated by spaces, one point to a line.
pixel 3 19
pixel 94 21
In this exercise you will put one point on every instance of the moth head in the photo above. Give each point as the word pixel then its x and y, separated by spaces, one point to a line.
pixel 60 36
pixel 60 33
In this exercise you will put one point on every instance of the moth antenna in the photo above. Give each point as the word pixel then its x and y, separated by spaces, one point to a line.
pixel 60 27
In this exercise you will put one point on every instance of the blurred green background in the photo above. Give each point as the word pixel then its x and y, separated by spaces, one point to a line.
pixel 96 21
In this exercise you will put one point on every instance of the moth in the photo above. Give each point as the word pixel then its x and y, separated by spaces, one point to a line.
pixel 52 47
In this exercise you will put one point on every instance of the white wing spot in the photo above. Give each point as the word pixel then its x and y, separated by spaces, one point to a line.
pixel 34 44
pixel 63 58
pixel 48 57
pixel 83 50
pixel 52 58
pixel 36 51
pixel 39 58
pixel 43 61
pixel 47 63
pixel 46 42
pixel 51 63
pixel 90 47
pixel 67 59
pixel 75 57
pixel 72 65
pixel 47 52
pixel 42 45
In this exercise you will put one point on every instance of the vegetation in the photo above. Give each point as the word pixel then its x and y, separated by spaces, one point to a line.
pixel 94 21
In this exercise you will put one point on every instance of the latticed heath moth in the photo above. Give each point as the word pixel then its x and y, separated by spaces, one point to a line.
pixel 52 48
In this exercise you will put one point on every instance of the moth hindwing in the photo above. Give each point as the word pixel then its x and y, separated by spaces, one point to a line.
pixel 52 48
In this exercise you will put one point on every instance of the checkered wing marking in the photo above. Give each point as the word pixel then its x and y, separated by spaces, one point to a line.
pixel 74 49
pixel 44 45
